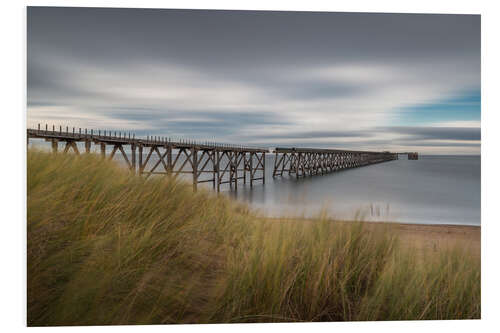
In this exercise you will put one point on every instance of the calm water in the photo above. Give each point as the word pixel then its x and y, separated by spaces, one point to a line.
pixel 433 189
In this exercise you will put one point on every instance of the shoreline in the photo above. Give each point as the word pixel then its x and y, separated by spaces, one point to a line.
pixel 409 224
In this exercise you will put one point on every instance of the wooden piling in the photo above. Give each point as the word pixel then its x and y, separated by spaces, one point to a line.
pixel 87 146
pixel 217 169
pixel 169 159
pixel 251 169
pixel 194 154
pixel 133 147
pixel 103 150
pixel 140 158
pixel 54 145
pixel 263 167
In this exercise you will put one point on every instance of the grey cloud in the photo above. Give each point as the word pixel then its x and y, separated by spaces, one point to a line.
pixel 438 133
pixel 233 117
pixel 375 145
pixel 442 144
pixel 411 134
pixel 245 43
pixel 195 123
pixel 305 90
pixel 317 135
pixel 228 38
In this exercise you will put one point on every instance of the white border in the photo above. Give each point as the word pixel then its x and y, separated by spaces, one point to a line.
pixel 13 195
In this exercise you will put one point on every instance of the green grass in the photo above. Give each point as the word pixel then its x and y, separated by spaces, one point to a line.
pixel 105 247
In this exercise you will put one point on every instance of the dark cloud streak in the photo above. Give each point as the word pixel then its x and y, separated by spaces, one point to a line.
pixel 437 133
pixel 229 38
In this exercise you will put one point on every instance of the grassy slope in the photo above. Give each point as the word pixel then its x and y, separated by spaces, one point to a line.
pixel 108 248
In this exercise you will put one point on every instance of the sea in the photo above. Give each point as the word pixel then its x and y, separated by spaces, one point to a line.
pixel 435 189
pixel 431 190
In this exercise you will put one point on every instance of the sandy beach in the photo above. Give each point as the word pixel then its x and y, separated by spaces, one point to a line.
pixel 439 236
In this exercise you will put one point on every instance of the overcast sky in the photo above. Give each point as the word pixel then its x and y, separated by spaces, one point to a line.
pixel 398 82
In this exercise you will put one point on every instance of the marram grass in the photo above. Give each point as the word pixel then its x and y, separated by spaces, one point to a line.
pixel 105 247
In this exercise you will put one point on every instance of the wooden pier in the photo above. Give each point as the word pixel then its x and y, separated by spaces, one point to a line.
pixel 303 162
pixel 207 162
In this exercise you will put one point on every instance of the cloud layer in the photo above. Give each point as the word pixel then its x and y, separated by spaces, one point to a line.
pixel 352 80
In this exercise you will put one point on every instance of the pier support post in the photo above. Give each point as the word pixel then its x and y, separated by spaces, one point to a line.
pixel 217 168
pixel 252 172
pixel 214 179
pixel 103 150
pixel 234 169
pixel 276 164
pixel 54 143
pixel 245 167
pixel 87 146
pixel 263 168
pixel 133 148
pixel 169 160
pixel 297 165
pixel 194 154
pixel 141 167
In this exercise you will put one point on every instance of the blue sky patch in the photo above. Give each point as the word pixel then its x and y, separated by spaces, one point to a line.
pixel 464 107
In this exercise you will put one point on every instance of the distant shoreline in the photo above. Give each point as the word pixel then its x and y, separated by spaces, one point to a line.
pixel 381 222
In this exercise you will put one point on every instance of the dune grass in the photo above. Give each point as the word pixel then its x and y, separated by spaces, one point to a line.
pixel 105 247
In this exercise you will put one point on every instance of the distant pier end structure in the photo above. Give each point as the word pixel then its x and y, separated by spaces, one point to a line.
pixel 303 162
pixel 411 155
pixel 207 162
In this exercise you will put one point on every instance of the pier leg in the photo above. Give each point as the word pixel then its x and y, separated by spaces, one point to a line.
pixel 217 169
pixel 169 160
pixel 75 147
pixel 54 145
pixel 235 170
pixel 87 146
pixel 297 165
pixel 285 155
pixel 140 159
pixel 133 148
pixel 263 168
pixel 251 169
pixel 214 164
pixel 244 167
pixel 194 154
pixel 103 150
pixel 276 163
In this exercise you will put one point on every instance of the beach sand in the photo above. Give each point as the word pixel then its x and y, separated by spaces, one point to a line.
pixel 440 236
